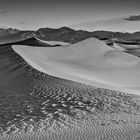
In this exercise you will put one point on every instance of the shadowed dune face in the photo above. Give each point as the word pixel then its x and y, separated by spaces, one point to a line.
pixel 89 60
pixel 12 75
pixel 53 43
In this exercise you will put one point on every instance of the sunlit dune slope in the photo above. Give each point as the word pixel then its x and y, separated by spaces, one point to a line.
pixel 52 42
pixel 90 61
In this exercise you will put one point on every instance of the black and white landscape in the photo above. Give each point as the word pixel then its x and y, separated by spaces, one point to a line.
pixel 70 70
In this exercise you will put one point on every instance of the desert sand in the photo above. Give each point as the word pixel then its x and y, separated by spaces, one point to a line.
pixel 52 42
pixel 37 106
pixel 11 69
pixel 118 47
pixel 90 62
pixel 131 49
pixel 126 46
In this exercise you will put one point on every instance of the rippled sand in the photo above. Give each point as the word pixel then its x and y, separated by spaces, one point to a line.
pixel 36 106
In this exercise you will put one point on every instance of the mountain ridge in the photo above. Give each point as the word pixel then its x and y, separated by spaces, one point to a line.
pixel 66 34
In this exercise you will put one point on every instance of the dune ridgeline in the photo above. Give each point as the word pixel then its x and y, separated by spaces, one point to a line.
pixel 90 62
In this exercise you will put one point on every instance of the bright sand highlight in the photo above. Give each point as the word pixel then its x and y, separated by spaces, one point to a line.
pixel 53 42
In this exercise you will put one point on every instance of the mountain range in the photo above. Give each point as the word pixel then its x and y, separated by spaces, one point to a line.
pixel 64 34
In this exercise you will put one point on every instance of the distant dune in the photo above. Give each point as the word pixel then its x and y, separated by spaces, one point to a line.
pixel 127 46
pixel 131 47
pixel 90 62
pixel 53 43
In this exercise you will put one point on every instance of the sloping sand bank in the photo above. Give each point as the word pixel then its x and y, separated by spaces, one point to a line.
pixel 90 62
pixel 126 46
pixel 12 73
pixel 52 42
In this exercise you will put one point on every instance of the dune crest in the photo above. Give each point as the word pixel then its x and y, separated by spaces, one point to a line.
pixel 90 62
pixel 52 42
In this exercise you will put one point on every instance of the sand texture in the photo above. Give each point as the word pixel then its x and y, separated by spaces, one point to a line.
pixel 90 62
pixel 37 106
pixel 58 109
pixel 53 42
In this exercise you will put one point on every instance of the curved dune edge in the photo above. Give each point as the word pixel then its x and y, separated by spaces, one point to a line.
pixel 53 65
pixel 53 42
pixel 126 47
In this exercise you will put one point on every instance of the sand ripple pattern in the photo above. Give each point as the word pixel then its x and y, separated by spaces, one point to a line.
pixel 58 109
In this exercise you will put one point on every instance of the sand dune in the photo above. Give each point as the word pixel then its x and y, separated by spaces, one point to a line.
pixel 38 106
pixel 135 52
pixel 90 62
pixel 126 46
pixel 118 47
pixel 52 42
pixel 12 74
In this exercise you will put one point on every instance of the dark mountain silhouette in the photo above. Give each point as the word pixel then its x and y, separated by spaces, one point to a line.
pixel 64 34
pixel 15 37
pixel 8 31
pixel 72 36
pixel 12 75
pixel 69 35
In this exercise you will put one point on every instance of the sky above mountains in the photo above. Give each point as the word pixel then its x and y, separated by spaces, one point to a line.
pixel 33 14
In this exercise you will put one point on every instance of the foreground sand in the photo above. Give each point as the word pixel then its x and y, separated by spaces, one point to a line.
pixel 58 109
pixel 37 106
pixel 90 62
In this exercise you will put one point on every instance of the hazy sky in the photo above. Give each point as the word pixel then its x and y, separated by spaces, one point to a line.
pixel 32 14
